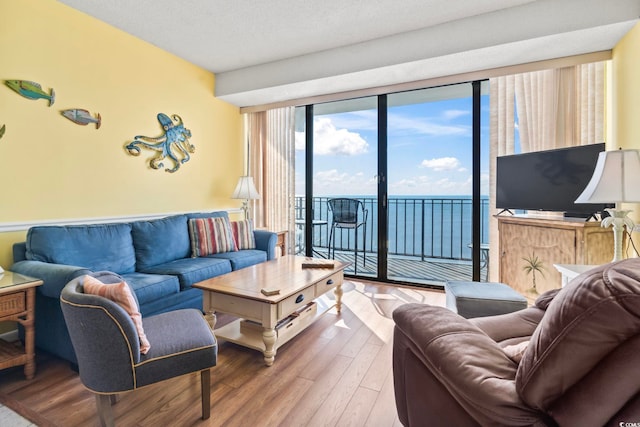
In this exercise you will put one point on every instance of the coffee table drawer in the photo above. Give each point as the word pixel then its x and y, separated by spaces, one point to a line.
pixel 296 324
pixel 294 302
pixel 328 283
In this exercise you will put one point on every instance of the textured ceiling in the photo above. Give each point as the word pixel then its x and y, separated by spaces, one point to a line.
pixel 270 51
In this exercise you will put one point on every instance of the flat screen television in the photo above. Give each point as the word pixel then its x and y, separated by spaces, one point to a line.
pixel 549 180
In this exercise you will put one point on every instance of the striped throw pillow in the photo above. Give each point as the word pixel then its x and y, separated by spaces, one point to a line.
pixel 210 236
pixel 243 234
pixel 121 295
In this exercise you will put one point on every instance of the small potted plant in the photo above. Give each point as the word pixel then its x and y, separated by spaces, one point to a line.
pixel 532 265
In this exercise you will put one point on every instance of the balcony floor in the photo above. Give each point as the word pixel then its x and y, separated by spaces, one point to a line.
pixel 409 269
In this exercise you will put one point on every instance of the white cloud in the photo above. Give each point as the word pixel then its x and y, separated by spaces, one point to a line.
pixel 454 114
pixel 331 176
pixel 361 120
pixel 333 182
pixel 423 126
pixel 426 186
pixel 329 140
pixel 442 164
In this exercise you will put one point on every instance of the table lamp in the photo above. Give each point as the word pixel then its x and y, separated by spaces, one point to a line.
pixel 616 179
pixel 246 191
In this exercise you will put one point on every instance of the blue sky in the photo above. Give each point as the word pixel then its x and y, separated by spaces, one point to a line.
pixel 430 150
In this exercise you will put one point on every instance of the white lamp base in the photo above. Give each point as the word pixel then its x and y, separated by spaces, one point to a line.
pixel 618 220
pixel 245 208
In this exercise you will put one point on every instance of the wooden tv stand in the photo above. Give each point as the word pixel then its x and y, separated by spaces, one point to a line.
pixel 553 241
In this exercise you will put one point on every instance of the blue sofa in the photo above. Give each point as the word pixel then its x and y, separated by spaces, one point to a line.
pixel 153 256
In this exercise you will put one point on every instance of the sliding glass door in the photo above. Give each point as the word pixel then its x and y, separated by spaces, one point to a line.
pixel 344 165
pixel 430 181
pixel 417 164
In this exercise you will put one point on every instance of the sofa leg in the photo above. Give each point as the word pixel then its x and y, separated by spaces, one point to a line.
pixel 103 403
pixel 205 385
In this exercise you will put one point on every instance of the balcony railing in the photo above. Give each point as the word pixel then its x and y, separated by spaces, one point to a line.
pixel 419 227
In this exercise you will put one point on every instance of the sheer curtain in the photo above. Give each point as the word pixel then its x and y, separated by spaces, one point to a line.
pixel 271 142
pixel 556 108
pixel 561 107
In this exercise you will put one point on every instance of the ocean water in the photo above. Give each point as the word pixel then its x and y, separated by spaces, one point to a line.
pixel 428 226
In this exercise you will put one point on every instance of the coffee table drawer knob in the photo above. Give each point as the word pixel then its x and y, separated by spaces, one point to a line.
pixel 330 282
pixel 299 299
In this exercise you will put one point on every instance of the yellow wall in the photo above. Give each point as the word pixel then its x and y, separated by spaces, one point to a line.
pixel 55 169
pixel 625 117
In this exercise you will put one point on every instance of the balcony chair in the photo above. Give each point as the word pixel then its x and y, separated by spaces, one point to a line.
pixel 570 360
pixel 107 345
pixel 348 214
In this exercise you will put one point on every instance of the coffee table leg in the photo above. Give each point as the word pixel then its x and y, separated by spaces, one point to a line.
pixel 269 338
pixel 338 292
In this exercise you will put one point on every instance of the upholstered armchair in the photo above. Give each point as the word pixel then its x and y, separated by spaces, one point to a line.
pixel 572 359
pixel 107 340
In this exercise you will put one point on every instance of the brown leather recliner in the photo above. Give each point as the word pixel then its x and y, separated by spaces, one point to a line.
pixel 572 359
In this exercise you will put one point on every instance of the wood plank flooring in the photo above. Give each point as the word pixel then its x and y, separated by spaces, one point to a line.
pixel 335 373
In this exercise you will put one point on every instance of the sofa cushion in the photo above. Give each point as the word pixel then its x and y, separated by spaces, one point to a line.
pixel 192 270
pixel 161 240
pixel 210 236
pixel 150 287
pixel 242 259
pixel 96 247
pixel 121 295
pixel 243 234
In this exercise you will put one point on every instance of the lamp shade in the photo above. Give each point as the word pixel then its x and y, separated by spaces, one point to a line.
pixel 245 189
pixel 616 178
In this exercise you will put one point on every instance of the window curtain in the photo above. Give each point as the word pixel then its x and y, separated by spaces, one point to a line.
pixel 271 157
pixel 556 108
pixel 561 107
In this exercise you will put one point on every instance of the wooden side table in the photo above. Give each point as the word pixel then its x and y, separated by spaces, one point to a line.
pixel 282 242
pixel 571 271
pixel 17 304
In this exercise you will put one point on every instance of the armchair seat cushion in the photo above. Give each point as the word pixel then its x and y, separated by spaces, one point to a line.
pixel 182 343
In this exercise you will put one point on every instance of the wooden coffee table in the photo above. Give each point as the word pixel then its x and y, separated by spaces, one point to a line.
pixel 267 322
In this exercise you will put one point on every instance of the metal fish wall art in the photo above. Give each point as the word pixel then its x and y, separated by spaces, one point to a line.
pixel 31 90
pixel 2 129
pixel 82 117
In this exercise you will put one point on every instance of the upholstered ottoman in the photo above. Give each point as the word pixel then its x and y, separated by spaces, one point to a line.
pixel 479 299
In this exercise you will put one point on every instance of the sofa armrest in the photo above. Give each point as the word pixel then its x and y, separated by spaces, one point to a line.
pixel 475 370
pixel 19 251
pixel 266 241
pixel 53 276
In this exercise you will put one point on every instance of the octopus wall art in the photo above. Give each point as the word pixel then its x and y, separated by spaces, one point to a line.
pixel 174 144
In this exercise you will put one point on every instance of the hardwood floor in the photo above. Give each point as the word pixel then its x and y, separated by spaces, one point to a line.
pixel 335 373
